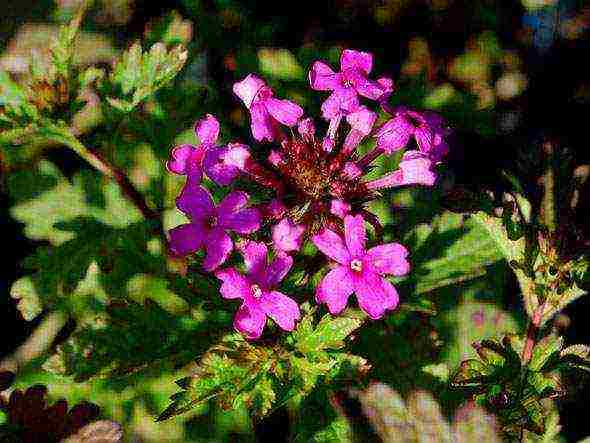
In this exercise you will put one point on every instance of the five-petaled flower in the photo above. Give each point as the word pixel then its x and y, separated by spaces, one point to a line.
pixel 359 271
pixel 257 289
pixel 221 163
pixel 209 224
pixel 348 84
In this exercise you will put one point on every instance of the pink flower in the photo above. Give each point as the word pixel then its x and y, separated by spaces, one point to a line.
pixel 209 224
pixel 347 84
pixel 221 163
pixel 406 123
pixel 287 236
pixel 361 122
pixel 415 168
pixel 257 290
pixel 359 271
pixel 340 208
pixel 265 110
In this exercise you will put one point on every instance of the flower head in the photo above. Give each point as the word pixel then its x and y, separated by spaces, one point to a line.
pixel 348 84
pixel 257 289
pixel 427 128
pixel 265 110
pixel 209 224
pixel 359 271
pixel 221 163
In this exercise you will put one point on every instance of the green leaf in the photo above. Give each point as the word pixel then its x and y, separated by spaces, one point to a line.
pixel 29 302
pixel 138 75
pixel 544 350
pixel 329 333
pixel 450 251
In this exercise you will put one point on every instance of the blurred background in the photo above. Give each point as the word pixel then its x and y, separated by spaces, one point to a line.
pixel 508 75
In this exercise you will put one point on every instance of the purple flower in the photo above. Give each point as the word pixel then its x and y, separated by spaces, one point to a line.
pixel 415 168
pixel 359 271
pixel 257 290
pixel 265 110
pixel 221 163
pixel 209 224
pixel 287 236
pixel 347 84
pixel 424 127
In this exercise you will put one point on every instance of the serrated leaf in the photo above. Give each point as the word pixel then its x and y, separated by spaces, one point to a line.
pixel 138 74
pixel 544 350
pixel 329 333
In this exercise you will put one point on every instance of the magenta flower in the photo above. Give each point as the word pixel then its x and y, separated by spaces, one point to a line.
pixel 405 124
pixel 359 271
pixel 265 110
pixel 347 84
pixel 209 225
pixel 221 163
pixel 257 290
pixel 287 236
pixel 415 168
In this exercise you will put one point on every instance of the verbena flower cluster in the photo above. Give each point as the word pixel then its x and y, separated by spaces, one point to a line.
pixel 320 193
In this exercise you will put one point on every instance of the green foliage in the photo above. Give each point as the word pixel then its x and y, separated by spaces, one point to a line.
pixel 139 74
pixel 261 377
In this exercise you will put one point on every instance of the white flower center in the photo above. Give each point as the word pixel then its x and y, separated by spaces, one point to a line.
pixel 256 291
pixel 356 265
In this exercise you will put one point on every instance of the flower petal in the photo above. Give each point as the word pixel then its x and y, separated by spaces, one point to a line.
pixel 236 155
pixel 322 77
pixel 218 246
pixel 217 168
pixel 244 221
pixel 185 158
pixel 282 309
pixel 186 239
pixel 332 245
pixel 390 258
pixel 416 168
pixel 355 235
pixel 362 119
pixel 340 208
pixel 284 111
pixel 261 124
pixel 342 100
pixel 234 284
pixel 195 201
pixel 232 202
pixel 335 288
pixel 372 89
pixel 254 254
pixel 249 321
pixel 287 236
pixel 207 129
pixel 278 269
pixel 352 59
pixel 248 88
pixel 375 295
pixel 424 138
